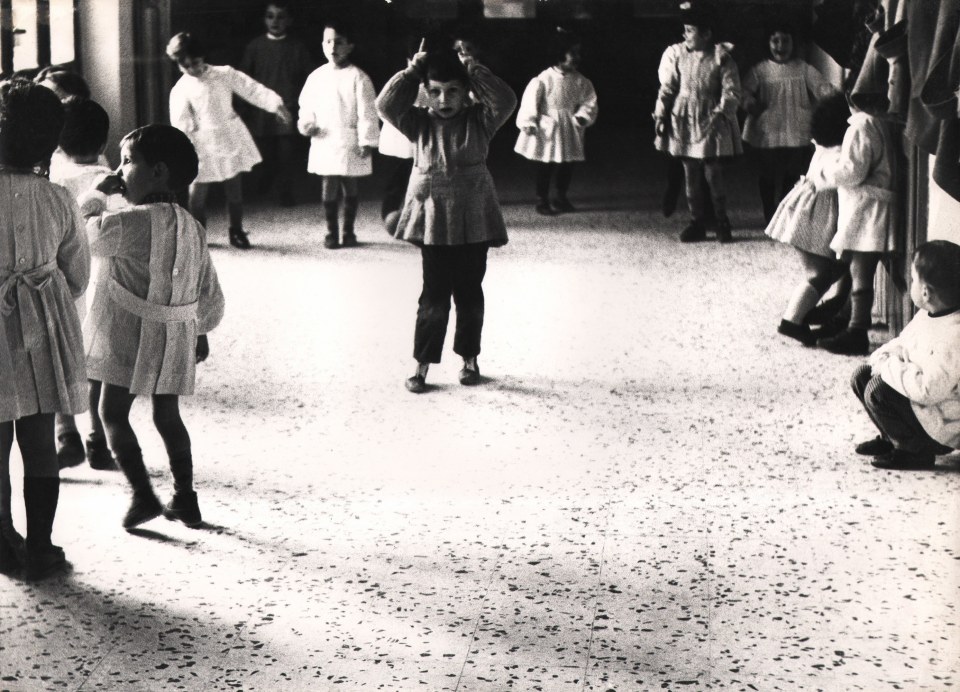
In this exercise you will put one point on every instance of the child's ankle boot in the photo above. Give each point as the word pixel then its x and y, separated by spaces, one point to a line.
pixel 144 505
pixel 183 506
pixel 41 558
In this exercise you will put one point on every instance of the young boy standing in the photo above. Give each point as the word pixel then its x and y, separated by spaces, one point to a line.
pixel 910 387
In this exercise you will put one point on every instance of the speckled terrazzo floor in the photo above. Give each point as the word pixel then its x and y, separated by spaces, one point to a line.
pixel 650 490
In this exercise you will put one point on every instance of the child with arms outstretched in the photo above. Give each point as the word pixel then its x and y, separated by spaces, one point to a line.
pixel 201 104
pixel 155 298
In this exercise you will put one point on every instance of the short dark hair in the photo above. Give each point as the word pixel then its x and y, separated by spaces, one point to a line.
pixel 342 27
pixel 70 83
pixel 31 117
pixel 938 266
pixel 443 65
pixel 166 144
pixel 185 45
pixel 829 123
pixel 563 41
pixel 279 4
pixel 85 127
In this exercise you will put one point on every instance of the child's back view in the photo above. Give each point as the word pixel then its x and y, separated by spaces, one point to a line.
pixel 155 298
pixel 44 267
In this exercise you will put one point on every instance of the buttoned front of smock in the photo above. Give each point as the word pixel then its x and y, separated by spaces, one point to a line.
pixel 44 267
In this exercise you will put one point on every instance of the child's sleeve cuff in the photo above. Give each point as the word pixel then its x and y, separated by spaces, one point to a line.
pixel 92 203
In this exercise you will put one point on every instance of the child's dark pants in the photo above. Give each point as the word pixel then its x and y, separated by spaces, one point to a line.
pixel 890 411
pixel 455 270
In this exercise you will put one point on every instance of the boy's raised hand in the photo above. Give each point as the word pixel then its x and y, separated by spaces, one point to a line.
pixel 203 348
pixel 419 59
pixel 110 184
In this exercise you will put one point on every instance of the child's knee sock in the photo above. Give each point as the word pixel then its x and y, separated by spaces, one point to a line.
pixel 130 461
pixel 861 307
pixel 181 466
pixel 331 212
pixel 804 298
pixel 350 205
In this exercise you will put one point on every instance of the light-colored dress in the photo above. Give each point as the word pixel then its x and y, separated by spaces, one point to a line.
pixel 44 267
pixel 552 102
pixel 451 198
pixel 787 93
pixel 698 99
pixel 155 291
pixel 340 101
pixel 864 177
pixel 203 108
pixel 807 216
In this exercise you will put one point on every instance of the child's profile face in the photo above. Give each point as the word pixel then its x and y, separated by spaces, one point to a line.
pixel 192 66
pixel 571 60
pixel 137 177
pixel 446 99
pixel 336 47
pixel 781 46
pixel 277 20
pixel 695 38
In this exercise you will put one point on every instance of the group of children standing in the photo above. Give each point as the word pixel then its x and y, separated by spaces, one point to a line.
pixel 155 294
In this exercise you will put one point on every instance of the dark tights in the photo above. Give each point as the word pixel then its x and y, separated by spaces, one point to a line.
pixel 562 172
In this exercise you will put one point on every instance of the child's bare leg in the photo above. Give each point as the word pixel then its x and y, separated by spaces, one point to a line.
pixel 198 202
pixel 819 273
pixel 331 210
pixel 351 203
pixel 11 542
pixel 115 405
pixel 176 439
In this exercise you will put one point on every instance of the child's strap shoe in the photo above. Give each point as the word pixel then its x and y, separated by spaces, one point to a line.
pixel 183 506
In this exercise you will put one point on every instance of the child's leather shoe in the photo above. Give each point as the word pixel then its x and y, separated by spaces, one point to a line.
pixel 144 507
pixel 43 561
pixel 800 332
pixel 238 238
pixel 544 209
pixel 99 456
pixel 331 241
pixel 849 342
pixel 470 376
pixel 694 232
pixel 70 449
pixel 724 231
pixel 876 447
pixel 562 204
pixel 349 240
pixel 902 460
pixel 416 384
pixel 183 506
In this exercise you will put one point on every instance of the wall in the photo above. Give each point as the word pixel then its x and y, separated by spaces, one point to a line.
pixel 944 214
pixel 106 62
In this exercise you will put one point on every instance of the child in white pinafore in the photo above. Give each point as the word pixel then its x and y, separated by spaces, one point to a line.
pixel 82 142
pixel 557 107
pixel 337 112
pixel 807 219
pixel 695 118
pixel 201 104
pixel 779 95
pixel 864 175
pixel 155 297
pixel 44 268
